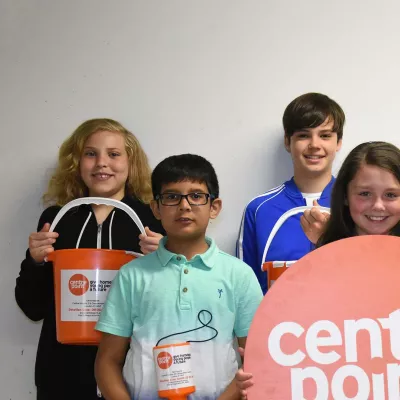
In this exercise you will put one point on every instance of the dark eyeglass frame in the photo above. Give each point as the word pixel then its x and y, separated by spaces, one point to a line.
pixel 160 197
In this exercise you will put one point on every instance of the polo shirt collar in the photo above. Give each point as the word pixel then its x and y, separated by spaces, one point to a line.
pixel 207 258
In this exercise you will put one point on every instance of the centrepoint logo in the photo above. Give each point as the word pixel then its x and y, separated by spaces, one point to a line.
pixel 164 360
pixel 78 284
pixel 329 328
pixel 321 338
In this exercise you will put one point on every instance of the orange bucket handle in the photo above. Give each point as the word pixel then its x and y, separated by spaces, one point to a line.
pixel 281 220
pixel 98 200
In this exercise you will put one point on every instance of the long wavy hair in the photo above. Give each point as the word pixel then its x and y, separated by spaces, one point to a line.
pixel 66 183
pixel 380 154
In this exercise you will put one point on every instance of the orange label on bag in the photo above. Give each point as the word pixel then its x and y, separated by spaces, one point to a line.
pixel 329 328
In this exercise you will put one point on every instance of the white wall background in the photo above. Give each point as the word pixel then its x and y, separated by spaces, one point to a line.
pixel 210 77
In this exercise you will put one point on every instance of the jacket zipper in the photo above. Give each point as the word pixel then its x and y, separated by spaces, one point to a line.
pixel 99 228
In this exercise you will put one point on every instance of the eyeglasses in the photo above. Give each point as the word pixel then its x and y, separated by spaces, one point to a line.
pixel 194 199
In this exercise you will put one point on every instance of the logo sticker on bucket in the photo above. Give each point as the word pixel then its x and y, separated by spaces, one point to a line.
pixel 164 360
pixel 78 284
pixel 83 293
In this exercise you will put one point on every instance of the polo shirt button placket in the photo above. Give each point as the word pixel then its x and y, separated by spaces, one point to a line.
pixel 184 300
pixel 185 297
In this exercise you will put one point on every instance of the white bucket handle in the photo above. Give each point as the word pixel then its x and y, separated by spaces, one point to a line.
pixel 282 219
pixel 98 200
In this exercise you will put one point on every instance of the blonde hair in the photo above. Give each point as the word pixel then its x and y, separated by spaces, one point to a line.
pixel 66 183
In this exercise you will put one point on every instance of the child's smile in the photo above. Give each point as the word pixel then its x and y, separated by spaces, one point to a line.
pixel 374 200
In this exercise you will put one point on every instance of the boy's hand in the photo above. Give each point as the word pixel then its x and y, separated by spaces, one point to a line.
pixel 243 381
pixel 41 243
pixel 149 243
pixel 314 222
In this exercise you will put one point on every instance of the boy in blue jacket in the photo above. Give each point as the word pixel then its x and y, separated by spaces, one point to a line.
pixel 313 125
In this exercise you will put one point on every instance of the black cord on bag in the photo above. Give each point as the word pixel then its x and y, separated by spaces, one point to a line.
pixel 203 325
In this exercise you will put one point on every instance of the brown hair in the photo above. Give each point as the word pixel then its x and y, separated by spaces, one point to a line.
pixel 311 110
pixel 380 154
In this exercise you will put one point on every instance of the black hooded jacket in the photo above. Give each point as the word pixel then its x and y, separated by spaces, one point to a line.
pixel 67 371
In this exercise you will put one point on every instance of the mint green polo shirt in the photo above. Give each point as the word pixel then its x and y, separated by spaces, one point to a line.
pixel 161 294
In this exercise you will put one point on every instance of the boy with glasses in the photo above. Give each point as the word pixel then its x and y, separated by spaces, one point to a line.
pixel 188 285
pixel 313 125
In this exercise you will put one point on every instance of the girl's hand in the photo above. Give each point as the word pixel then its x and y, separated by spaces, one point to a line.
pixel 41 243
pixel 149 243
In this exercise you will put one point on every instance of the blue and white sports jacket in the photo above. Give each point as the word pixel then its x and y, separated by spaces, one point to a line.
pixel 260 215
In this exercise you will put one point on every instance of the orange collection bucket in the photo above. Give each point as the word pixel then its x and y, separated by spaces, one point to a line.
pixel 275 269
pixel 174 371
pixel 82 278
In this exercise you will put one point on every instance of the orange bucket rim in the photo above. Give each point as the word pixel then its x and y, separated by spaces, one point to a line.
pixel 52 256
pixel 84 249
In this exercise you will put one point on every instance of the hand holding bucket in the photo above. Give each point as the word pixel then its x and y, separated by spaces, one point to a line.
pixel 82 278
pixel 275 269
pixel 41 243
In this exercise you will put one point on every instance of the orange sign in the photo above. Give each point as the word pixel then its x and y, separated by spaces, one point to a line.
pixel 329 328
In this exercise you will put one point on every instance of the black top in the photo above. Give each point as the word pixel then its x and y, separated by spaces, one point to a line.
pixel 67 371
